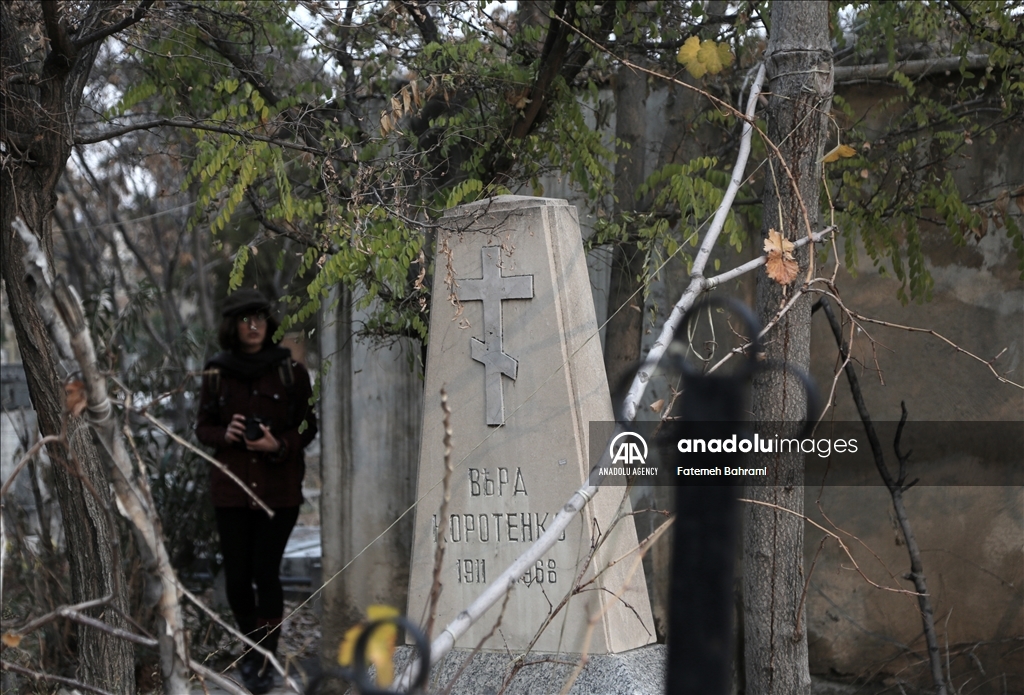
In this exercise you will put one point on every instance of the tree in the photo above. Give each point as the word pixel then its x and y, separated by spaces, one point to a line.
pixel 799 60
pixel 46 58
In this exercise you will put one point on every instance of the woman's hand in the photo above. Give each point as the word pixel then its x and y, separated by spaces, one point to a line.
pixel 267 443
pixel 236 429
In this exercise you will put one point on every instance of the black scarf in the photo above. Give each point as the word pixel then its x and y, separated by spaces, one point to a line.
pixel 250 367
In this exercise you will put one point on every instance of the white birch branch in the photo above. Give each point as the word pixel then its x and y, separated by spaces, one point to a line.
pixel 697 279
pixel 61 310
pixel 500 586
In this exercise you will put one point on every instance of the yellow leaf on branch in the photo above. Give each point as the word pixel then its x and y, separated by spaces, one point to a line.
pixel 838 151
pixel 704 57
pixel 780 266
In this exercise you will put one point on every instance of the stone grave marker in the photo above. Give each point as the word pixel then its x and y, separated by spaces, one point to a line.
pixel 513 340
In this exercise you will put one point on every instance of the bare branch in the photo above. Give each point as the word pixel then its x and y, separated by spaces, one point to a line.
pixel 65 321
pixel 26 458
pixel 446 496
pixel 224 469
pixel 37 676
pixel 913 329
pixel 60 42
pixel 195 124
pixel 837 539
pixel 103 33
pixel 244 638
pixel 696 286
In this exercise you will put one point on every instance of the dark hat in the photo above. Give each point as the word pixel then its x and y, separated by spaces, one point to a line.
pixel 245 300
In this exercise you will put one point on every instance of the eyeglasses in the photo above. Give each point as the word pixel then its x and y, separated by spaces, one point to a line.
pixel 252 318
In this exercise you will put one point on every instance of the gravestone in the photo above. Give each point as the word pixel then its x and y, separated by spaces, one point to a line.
pixel 513 341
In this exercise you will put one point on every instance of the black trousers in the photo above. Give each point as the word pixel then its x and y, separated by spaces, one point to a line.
pixel 252 545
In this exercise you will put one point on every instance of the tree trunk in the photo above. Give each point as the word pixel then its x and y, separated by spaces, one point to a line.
pixel 36 126
pixel 799 64
pixel 625 300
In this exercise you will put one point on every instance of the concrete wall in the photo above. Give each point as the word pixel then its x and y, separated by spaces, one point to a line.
pixel 972 537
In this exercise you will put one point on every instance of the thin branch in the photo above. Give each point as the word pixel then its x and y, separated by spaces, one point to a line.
pixel 196 125
pixel 220 681
pixel 896 489
pixel 244 638
pixel 103 33
pixel 838 540
pixel 37 676
pixel 224 469
pixel 914 329
pixel 28 457
pixel 712 282
pixel 696 286
pixel 442 530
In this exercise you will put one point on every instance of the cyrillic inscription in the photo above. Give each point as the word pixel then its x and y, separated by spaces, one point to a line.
pixel 483 483
pixel 495 527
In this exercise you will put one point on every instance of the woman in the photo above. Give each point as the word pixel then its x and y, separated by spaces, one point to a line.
pixel 253 404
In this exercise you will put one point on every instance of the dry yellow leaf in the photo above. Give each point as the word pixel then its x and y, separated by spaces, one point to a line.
pixel 704 57
pixel 657 405
pixel 781 269
pixel 838 151
pixel 777 243
pixel 74 397
pixel 780 266
pixel 10 639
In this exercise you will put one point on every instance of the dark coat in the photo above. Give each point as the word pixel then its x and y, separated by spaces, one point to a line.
pixel 275 478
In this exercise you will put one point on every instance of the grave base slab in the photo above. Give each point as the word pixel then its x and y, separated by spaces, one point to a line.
pixel 638 671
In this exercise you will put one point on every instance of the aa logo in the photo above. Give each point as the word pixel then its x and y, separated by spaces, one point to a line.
pixel 629 449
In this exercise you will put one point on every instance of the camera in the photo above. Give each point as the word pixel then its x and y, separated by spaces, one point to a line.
pixel 252 427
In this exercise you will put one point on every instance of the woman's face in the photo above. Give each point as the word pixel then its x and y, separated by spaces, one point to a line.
pixel 252 331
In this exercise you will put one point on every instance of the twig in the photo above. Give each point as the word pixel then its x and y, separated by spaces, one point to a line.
pixel 442 526
pixel 224 469
pixel 838 540
pixel 244 638
pixel 592 624
pixel 220 681
pixel 70 613
pixel 479 645
pixel 36 675
pixel 914 329
pixel 28 457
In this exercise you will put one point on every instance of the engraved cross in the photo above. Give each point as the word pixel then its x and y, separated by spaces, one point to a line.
pixel 492 289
